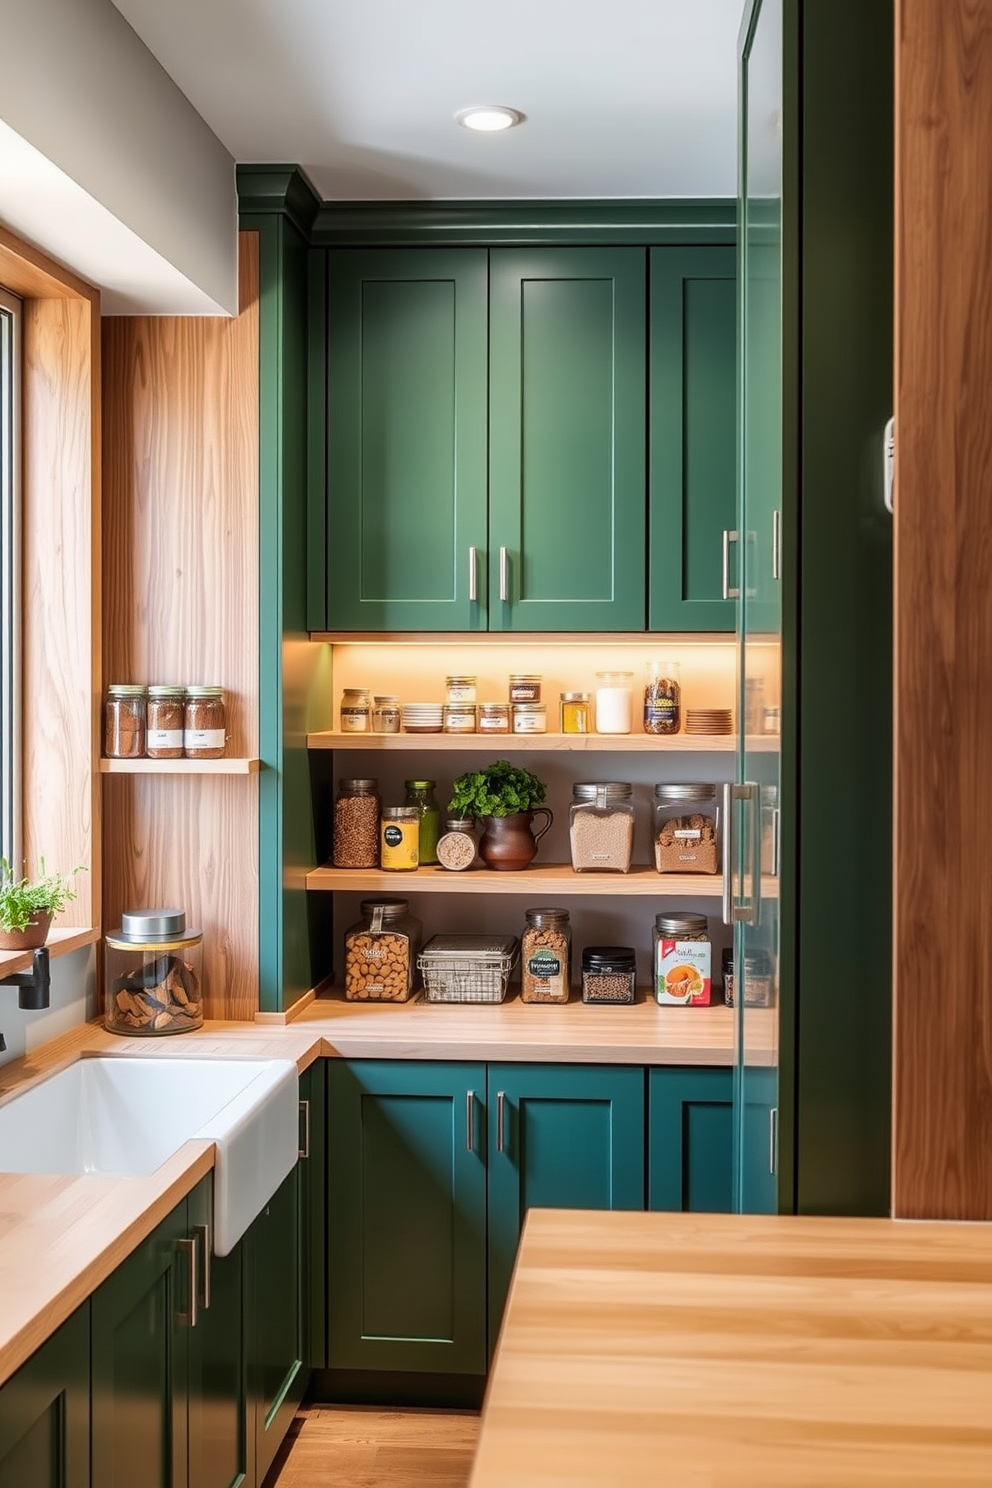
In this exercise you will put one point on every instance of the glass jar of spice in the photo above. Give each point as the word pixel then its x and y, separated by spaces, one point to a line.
pixel 356 710
pixel 459 689
pixel 204 723
pixel 164 731
pixel 574 712
pixel 525 687
pixel 530 718
pixel 386 715
pixel 494 718
pixel 124 734
pixel 458 718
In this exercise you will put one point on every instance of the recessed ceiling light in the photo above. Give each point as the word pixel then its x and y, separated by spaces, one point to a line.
pixel 489 118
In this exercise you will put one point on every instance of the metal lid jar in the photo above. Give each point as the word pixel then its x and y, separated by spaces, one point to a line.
pixel 204 723
pixel 356 824
pixel 608 974
pixel 682 959
pixel 380 952
pixel 165 714
pixel 601 826
pixel 124 733
pixel 686 829
pixel 151 971
pixel 545 956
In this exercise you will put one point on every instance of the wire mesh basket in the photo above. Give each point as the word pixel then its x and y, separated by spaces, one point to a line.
pixel 467 968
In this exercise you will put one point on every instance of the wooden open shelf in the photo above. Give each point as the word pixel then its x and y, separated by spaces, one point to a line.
pixel 227 765
pixel 59 943
pixel 546 878
pixel 500 744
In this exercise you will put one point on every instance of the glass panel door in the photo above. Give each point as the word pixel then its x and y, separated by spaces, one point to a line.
pixel 752 897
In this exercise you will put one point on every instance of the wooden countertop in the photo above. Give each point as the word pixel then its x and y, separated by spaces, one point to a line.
pixel 774 1352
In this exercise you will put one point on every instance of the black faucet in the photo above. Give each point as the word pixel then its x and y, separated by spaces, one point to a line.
pixel 34 986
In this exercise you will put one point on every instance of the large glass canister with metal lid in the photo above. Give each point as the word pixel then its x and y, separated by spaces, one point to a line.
pixel 686 829
pixel 380 952
pixel 152 974
pixel 601 826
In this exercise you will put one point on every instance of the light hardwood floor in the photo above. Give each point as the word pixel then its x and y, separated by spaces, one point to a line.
pixel 367 1447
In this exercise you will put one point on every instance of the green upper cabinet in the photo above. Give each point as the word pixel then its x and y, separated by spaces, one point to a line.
pixel 566 445
pixel 692 461
pixel 406 439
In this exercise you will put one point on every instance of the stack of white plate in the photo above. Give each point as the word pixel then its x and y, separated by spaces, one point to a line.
pixel 709 721
pixel 421 718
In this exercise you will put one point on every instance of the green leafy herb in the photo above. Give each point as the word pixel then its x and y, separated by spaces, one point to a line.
pixel 501 789
pixel 22 899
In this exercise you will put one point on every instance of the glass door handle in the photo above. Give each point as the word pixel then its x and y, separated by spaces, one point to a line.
pixel 473 571
pixel 740 908
pixel 729 536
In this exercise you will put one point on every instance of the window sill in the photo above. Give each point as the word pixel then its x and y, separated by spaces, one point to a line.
pixel 59 943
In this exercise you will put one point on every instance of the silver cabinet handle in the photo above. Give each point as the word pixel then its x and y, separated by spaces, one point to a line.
pixel 473 572
pixel 470 1121
pixel 728 836
pixel 773 1140
pixel 501 1121
pixel 202 1233
pixel 304 1151
pixel 504 575
pixel 773 866
pixel 729 536
pixel 733 912
pixel 776 544
pixel 188 1248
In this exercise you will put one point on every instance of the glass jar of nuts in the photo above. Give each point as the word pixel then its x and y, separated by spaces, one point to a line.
pixel 380 952
pixel 545 956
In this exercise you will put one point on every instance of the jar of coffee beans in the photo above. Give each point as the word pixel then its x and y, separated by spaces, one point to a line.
pixel 380 952
pixel 356 824
pixel 608 974
pixel 545 956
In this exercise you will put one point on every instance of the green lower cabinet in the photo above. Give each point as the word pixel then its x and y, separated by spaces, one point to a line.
pixel 560 1137
pixel 406 1205
pixel 691 1141
pixel 217 1389
pixel 45 1413
pixel 277 1372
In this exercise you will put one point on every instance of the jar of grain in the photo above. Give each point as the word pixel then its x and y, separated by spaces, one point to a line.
pixel 399 839
pixel 356 710
pixel 614 705
pixel 457 847
pixel 356 824
pixel 545 956
pixel 573 712
pixel 380 952
pixel 686 829
pixel 494 718
pixel 601 826
pixel 204 723
pixel 151 971
pixel 164 730
pixel 124 734
pixel 608 974
pixel 386 714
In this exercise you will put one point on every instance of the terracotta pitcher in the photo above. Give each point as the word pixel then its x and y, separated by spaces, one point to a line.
pixel 510 841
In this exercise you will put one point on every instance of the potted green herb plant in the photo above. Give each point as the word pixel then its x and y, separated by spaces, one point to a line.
pixel 28 905
pixel 504 798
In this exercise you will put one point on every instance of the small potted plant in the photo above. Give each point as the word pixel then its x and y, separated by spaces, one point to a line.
pixel 505 799
pixel 28 905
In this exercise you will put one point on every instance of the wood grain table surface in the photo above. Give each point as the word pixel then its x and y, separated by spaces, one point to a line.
pixel 730 1351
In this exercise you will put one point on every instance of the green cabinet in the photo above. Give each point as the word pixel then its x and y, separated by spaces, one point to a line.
pixel 45 1413
pixel 692 453
pixel 691 1137
pixel 431 1168
pixel 218 1441
pixel 277 1371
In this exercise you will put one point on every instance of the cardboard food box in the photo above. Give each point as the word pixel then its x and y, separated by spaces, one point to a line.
pixel 682 973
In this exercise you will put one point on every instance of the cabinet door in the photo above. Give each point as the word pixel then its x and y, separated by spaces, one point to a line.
pixel 692 437
pixel 217 1404
pixel 567 439
pixel 45 1413
pixel 277 1375
pixel 406 439
pixel 690 1139
pixel 313 1185
pixel 560 1136
pixel 139 1365
pixel 407 1212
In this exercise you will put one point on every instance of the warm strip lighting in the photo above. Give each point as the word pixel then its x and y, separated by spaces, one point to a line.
pixel 489 118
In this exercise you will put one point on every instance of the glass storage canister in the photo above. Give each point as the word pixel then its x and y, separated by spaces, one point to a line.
pixel 662 697
pixel 458 718
pixel 165 716
pixel 386 715
pixel 459 689
pixel 614 706
pixel 530 718
pixel 573 712
pixel 686 829
pixel 525 687
pixel 356 824
pixel 399 839
pixel 457 847
pixel 204 723
pixel 759 981
pixel 601 827
pixel 356 710
pixel 420 794
pixel 682 959
pixel 151 972
pixel 124 735
pixel 545 956
pixel 494 718
pixel 608 974
pixel 380 952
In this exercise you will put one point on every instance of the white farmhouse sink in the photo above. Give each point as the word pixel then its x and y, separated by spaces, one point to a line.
pixel 122 1117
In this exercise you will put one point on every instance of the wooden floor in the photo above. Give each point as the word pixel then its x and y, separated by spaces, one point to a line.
pixel 367 1447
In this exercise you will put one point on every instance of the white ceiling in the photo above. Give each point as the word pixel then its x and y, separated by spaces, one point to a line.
pixel 623 98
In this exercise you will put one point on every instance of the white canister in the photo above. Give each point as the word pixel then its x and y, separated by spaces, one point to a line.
pixel 614 703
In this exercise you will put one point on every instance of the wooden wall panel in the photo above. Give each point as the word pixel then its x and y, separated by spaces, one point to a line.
pixel 181 605
pixel 942 1143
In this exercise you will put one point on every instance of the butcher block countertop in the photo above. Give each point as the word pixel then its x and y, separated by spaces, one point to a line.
pixel 729 1351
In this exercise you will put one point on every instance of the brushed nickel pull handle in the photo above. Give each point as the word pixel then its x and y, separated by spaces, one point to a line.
pixel 776 544
pixel 202 1233
pixel 773 1140
pixel 188 1249
pixel 500 1121
pixel 470 1120
pixel 728 837
pixel 773 866
pixel 504 576
pixel 729 536
pixel 304 1151
pixel 473 580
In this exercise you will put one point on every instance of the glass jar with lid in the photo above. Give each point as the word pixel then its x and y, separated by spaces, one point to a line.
pixel 151 971
pixel 459 688
pixel 204 723
pixel 545 956
pixel 525 687
pixel 356 710
pixel 386 714
pixel 682 959
pixel 457 846
pixel 686 829
pixel 494 718
pixel 356 824
pixel 399 839
pixel 380 952
pixel 573 712
pixel 458 718
pixel 662 697
pixel 608 974
pixel 614 703
pixel 124 733
pixel 164 722
pixel 601 826
pixel 420 793
pixel 530 718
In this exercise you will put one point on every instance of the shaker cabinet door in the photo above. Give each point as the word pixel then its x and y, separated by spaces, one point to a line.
pixel 406 439
pixel 690 1139
pixel 692 457
pixel 567 439
pixel 45 1413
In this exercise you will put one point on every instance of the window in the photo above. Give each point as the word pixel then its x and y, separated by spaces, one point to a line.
pixel 10 578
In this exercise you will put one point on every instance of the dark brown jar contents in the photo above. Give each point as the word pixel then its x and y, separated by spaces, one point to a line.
pixel 124 736
pixel 205 723
pixel 164 731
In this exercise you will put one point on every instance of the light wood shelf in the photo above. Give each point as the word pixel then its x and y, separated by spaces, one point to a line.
pixel 59 943
pixel 227 765
pixel 546 878
pixel 500 744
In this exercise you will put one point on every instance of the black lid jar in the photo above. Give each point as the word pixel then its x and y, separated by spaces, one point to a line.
pixel 608 974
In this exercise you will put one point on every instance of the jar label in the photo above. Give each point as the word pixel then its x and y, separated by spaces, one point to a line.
pixel 204 739
pixel 682 972
pixel 164 739
pixel 544 965
pixel 687 834
pixel 392 836
pixel 354 721
pixel 529 723
pixel 489 725
pixel 662 710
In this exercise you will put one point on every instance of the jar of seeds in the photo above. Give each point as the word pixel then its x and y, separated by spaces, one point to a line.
pixel 356 824
pixel 601 826
pixel 545 956
pixel 608 974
